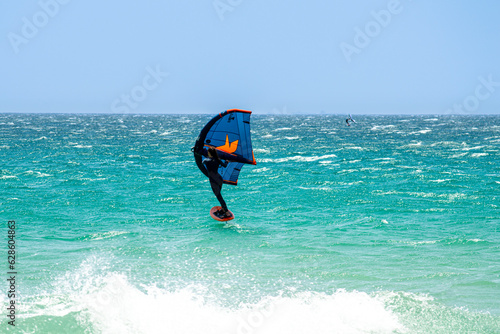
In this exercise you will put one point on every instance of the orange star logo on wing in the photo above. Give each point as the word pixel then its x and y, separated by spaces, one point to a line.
pixel 228 147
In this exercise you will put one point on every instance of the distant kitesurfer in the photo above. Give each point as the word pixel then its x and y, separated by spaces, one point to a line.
pixel 349 119
pixel 212 164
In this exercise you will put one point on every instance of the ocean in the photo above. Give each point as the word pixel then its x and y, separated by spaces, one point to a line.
pixel 390 225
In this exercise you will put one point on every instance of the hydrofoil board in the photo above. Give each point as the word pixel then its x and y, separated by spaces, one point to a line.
pixel 216 217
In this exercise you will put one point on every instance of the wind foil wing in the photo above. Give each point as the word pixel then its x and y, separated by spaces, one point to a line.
pixel 229 133
pixel 231 172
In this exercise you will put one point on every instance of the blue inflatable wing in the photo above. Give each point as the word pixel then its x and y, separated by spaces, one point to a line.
pixel 231 172
pixel 229 134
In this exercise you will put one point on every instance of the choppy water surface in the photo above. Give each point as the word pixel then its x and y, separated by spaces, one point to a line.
pixel 387 226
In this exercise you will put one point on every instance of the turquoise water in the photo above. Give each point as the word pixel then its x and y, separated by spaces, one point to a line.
pixel 387 226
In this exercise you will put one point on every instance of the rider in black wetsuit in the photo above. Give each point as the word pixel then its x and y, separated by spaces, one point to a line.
pixel 212 164
pixel 349 120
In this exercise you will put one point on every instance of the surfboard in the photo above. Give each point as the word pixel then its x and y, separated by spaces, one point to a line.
pixel 214 209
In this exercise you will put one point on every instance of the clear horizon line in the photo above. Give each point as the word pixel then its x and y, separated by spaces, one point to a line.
pixel 253 111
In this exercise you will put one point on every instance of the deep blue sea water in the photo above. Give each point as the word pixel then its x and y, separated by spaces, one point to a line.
pixel 390 225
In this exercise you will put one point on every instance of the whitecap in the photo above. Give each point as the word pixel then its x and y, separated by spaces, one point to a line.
pixel 166 133
pixel 317 188
pixel 300 158
pixel 472 148
pixel 382 127
pixel 106 235
pixel 459 155
pixel 5 177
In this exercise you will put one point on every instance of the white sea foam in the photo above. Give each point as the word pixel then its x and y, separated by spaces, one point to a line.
pixel 5 177
pixel 440 180
pixel 382 127
pixel 414 144
pixel 417 243
pixel 110 303
pixel 472 148
pixel 385 160
pixel 106 235
pixel 261 170
pixel 37 174
pixel 317 188
pixel 359 148
pixel 300 158
pixel 166 133
pixel 422 131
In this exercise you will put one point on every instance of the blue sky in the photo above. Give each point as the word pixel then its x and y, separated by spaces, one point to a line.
pixel 360 57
